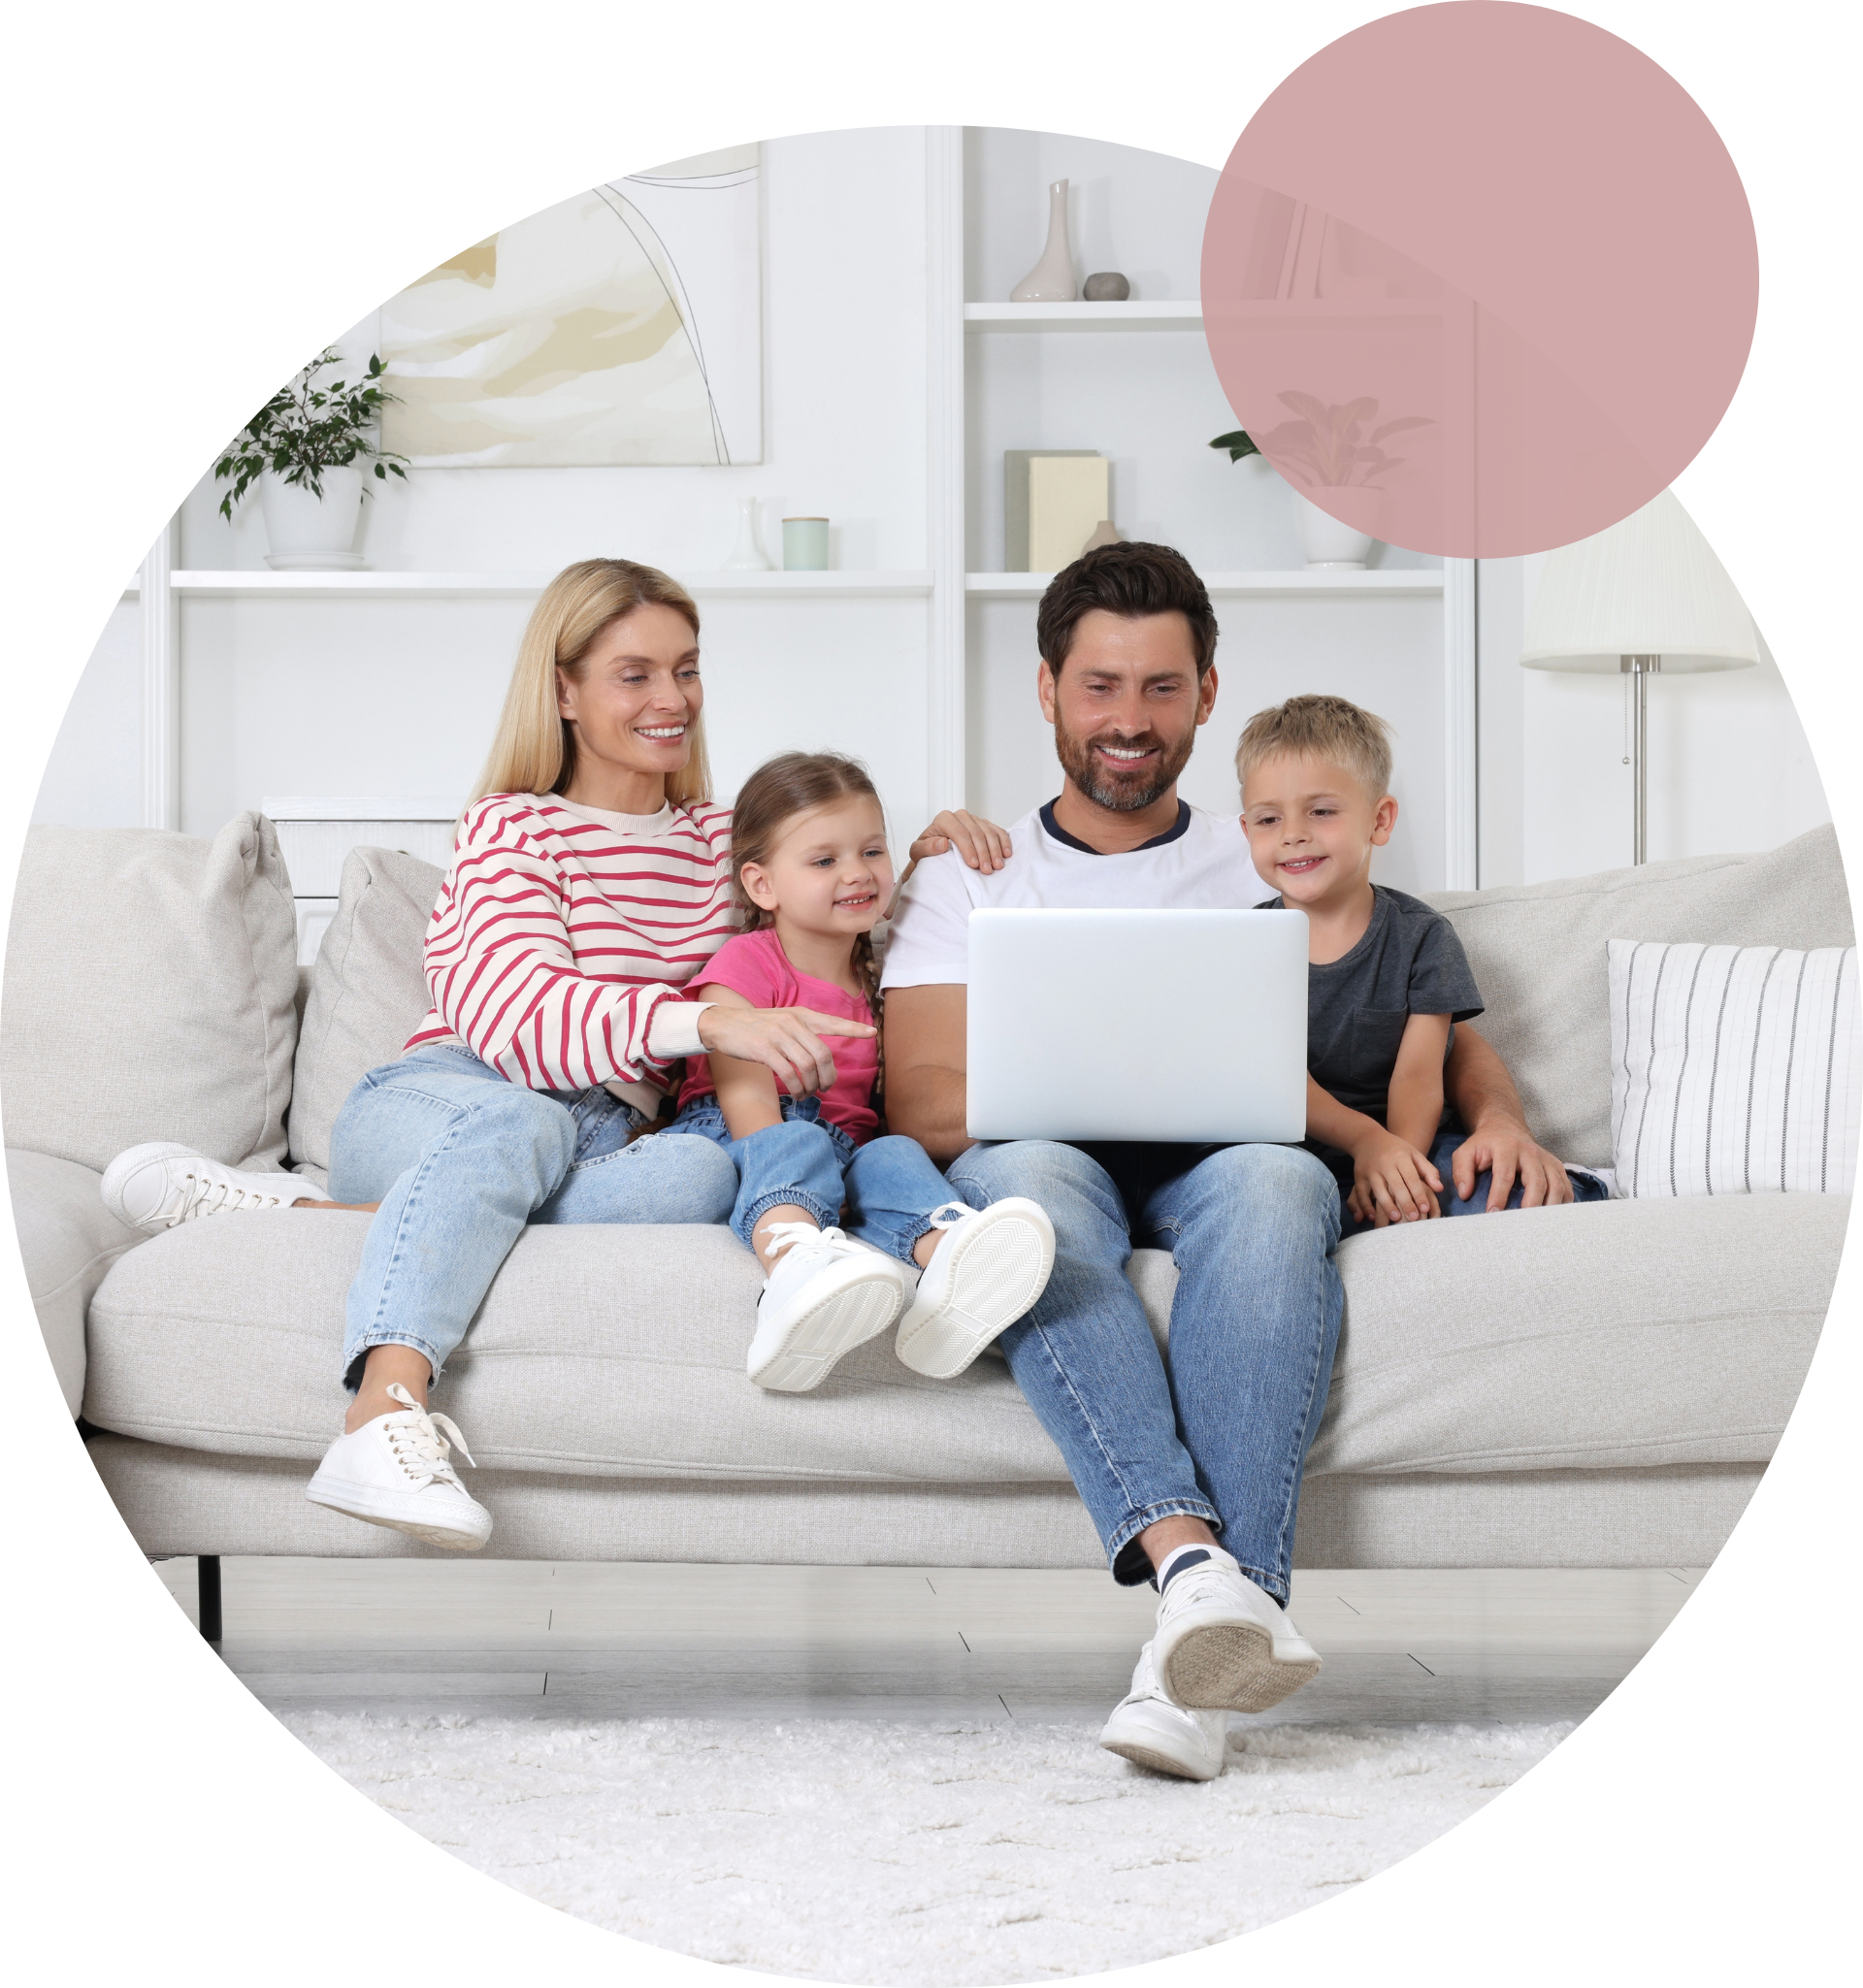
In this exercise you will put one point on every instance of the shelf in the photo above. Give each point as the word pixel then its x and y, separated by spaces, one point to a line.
pixel 1426 580
pixel 518 585
pixel 1134 316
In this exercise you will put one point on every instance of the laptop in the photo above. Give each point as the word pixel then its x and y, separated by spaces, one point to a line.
pixel 1172 1025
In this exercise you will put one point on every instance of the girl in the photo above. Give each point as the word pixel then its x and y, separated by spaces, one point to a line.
pixel 813 878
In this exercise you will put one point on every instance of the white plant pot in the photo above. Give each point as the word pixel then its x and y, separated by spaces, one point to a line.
pixel 308 534
pixel 1323 539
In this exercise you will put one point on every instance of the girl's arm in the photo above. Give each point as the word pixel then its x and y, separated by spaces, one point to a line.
pixel 747 1091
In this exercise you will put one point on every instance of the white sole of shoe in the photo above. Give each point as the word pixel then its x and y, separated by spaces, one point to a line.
pixel 1229 1667
pixel 842 1318
pixel 357 1501
pixel 1002 1268
pixel 1134 1746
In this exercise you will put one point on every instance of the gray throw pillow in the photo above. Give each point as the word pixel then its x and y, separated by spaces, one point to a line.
pixel 149 993
pixel 368 989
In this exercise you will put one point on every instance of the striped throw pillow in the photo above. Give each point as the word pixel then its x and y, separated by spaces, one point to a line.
pixel 1734 1069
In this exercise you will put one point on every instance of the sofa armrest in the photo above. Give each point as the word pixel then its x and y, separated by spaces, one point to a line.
pixel 69 1240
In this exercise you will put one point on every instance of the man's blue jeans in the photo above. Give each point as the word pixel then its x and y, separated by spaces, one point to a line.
pixel 461 1160
pixel 889 1187
pixel 1219 1429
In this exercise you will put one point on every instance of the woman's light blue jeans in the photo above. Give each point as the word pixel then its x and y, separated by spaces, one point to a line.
pixel 461 1160
pixel 1217 1428
pixel 889 1187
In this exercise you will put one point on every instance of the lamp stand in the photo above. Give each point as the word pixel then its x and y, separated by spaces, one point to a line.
pixel 1642 667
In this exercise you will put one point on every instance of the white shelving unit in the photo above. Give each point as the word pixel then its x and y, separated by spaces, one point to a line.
pixel 954 325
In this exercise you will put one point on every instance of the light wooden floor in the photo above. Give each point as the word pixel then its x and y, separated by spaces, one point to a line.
pixel 581 1641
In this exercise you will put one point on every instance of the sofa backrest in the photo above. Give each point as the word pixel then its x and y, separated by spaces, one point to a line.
pixel 368 989
pixel 1538 951
pixel 149 985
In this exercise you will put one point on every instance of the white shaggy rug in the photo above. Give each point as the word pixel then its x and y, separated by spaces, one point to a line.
pixel 917 1854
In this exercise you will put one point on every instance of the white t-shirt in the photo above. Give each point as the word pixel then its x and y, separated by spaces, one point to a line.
pixel 1202 865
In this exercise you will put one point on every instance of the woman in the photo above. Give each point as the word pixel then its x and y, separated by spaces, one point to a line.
pixel 591 877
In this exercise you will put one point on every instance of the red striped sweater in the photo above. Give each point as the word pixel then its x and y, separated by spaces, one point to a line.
pixel 561 939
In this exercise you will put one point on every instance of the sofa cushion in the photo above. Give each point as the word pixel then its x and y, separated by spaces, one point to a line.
pixel 149 993
pixel 368 989
pixel 1538 955
pixel 69 1240
pixel 1613 1336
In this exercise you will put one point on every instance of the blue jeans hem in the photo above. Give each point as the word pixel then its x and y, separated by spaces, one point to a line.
pixel 1125 1557
pixel 744 1221
pixel 352 1365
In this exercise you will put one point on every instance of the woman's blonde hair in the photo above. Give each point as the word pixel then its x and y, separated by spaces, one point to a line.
pixel 533 750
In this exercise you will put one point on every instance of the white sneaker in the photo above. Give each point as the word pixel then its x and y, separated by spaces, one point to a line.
pixel 1148 1730
pixel 991 1265
pixel 825 1295
pixel 1224 1642
pixel 160 1183
pixel 396 1471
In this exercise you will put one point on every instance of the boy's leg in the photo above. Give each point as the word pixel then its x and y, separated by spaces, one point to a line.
pixel 1586 1187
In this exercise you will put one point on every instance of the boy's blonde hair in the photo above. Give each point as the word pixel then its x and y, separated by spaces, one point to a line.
pixel 1320 728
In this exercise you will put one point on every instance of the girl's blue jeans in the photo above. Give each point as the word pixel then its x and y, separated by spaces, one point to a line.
pixel 461 1160
pixel 889 1187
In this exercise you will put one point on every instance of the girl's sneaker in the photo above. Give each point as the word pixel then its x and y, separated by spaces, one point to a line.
pixel 826 1294
pixel 991 1265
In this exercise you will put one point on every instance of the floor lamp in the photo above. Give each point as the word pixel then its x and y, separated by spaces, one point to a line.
pixel 1647 594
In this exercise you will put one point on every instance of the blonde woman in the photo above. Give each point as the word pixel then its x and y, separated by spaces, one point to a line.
pixel 590 879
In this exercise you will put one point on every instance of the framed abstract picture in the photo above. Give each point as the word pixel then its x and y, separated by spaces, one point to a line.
pixel 621 326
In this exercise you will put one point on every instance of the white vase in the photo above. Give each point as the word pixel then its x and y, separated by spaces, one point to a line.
pixel 1323 539
pixel 312 534
pixel 1052 279
pixel 747 555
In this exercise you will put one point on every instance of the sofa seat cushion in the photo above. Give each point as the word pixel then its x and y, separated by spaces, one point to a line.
pixel 1620 1335
pixel 603 1350
pixel 1610 1337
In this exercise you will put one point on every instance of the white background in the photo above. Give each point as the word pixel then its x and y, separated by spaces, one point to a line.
pixel 193 203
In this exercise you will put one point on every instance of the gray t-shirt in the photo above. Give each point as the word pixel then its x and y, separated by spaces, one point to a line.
pixel 1409 962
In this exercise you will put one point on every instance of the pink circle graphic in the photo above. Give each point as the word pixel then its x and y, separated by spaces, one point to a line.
pixel 1480 278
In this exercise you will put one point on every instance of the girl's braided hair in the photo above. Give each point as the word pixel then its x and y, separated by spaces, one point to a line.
pixel 790 784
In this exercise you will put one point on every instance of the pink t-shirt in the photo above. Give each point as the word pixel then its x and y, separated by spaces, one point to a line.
pixel 755 965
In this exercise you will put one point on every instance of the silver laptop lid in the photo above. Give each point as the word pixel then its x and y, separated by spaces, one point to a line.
pixel 1183 1025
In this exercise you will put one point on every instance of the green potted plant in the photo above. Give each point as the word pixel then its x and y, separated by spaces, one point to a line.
pixel 1329 449
pixel 308 449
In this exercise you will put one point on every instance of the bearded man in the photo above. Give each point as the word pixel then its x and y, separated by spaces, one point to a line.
pixel 1168 1451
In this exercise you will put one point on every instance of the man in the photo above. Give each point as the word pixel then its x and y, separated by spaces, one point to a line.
pixel 1166 1453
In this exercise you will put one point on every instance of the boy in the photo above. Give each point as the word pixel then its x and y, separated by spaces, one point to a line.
pixel 1387 979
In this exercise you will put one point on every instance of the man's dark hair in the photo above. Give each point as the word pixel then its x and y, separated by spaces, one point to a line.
pixel 1131 578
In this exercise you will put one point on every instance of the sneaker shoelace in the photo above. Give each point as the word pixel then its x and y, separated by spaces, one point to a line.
pixel 802 1236
pixel 203 1194
pixel 417 1445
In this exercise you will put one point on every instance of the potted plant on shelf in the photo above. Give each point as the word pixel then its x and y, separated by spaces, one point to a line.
pixel 1330 451
pixel 307 449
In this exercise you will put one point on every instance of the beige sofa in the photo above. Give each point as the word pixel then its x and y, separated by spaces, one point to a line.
pixel 1578 1386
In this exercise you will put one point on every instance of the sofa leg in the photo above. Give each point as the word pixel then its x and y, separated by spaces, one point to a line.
pixel 208 1572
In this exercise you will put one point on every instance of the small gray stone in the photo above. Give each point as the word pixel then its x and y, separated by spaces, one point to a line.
pixel 1107 287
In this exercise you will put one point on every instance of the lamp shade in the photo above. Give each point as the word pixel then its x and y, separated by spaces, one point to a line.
pixel 1648 586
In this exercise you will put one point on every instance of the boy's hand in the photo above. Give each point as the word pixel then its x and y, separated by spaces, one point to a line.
pixel 1393 1180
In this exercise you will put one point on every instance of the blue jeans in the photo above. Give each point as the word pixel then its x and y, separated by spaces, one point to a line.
pixel 890 1187
pixel 1217 1429
pixel 1586 1187
pixel 461 1160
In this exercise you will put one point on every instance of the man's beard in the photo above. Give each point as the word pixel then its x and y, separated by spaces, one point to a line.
pixel 1122 792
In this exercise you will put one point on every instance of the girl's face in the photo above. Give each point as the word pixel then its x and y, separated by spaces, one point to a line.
pixel 828 872
pixel 637 696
